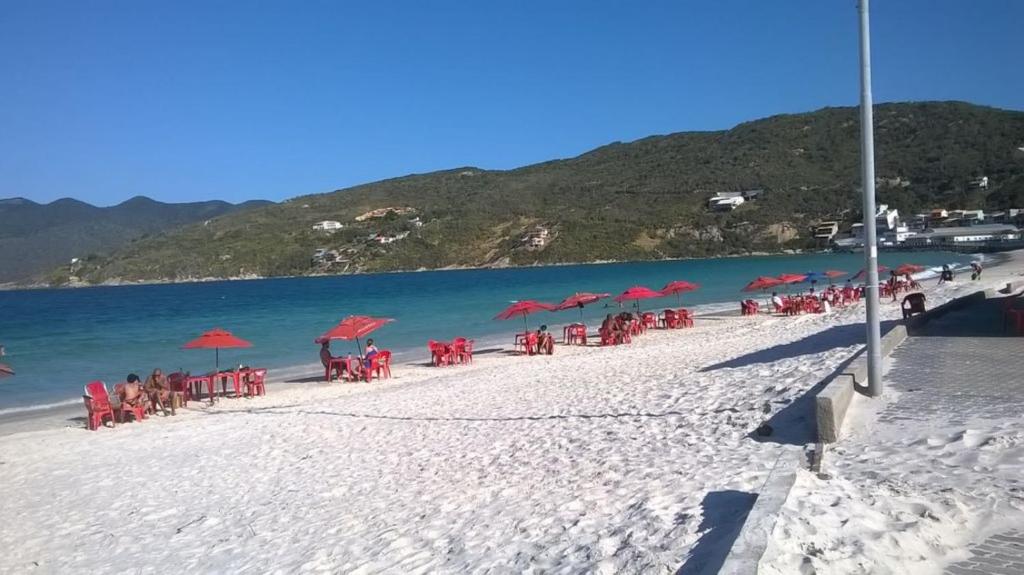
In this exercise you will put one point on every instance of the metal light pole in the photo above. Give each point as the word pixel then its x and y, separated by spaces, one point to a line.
pixel 867 152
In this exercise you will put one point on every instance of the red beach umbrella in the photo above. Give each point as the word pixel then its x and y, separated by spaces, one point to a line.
pixel 792 278
pixel 909 269
pixel 762 283
pixel 524 308
pixel 637 293
pixel 6 370
pixel 354 327
pixel 216 339
pixel 580 299
pixel 864 272
pixel 678 287
pixel 831 274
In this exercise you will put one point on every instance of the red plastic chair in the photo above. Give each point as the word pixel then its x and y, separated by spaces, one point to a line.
pixel 178 383
pixel 685 319
pixel 124 408
pixel 97 404
pixel 383 364
pixel 649 320
pixel 440 354
pixel 575 334
pixel 530 343
pixel 463 350
pixel 670 319
pixel 255 383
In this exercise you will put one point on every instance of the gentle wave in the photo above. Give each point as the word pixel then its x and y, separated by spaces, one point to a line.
pixel 39 407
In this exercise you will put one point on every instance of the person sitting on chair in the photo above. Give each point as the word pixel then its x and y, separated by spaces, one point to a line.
pixel 133 395
pixel 158 390
pixel 326 358
pixel 913 303
pixel 371 352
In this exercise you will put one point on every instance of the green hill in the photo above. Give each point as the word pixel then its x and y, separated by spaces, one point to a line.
pixel 34 238
pixel 639 200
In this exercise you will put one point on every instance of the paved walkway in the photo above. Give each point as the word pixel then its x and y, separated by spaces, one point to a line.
pixel 962 368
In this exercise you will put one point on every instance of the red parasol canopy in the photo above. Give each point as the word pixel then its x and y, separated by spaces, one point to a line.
pixel 524 308
pixel 678 287
pixel 5 370
pixel 354 327
pixel 581 298
pixel 215 339
pixel 835 274
pixel 792 278
pixel 762 283
pixel 637 293
pixel 864 272
pixel 909 269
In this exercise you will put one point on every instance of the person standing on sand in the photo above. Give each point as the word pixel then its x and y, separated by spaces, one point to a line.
pixel 545 343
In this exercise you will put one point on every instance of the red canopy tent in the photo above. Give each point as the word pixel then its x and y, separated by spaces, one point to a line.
pixel 524 308
pixel 354 327
pixel 679 287
pixel 580 299
pixel 216 339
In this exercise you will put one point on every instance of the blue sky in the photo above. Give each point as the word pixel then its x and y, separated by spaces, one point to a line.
pixel 192 100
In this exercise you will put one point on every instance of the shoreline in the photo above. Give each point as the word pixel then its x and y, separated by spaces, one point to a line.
pixel 12 287
pixel 63 413
pixel 21 416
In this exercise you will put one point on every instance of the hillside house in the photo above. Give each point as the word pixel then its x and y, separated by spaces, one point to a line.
pixel 825 231
pixel 726 201
pixel 536 239
pixel 978 183
pixel 327 226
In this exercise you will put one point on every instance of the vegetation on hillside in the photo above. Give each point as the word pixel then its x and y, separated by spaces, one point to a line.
pixel 640 200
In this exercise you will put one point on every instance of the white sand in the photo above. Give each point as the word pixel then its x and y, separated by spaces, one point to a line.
pixel 594 460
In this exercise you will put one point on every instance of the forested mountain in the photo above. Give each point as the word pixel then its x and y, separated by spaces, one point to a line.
pixel 34 238
pixel 639 200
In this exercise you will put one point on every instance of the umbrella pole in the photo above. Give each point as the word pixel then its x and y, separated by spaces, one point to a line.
pixel 581 315
pixel 216 361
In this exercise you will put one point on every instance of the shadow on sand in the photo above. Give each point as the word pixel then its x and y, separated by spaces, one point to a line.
pixel 724 514
pixel 833 337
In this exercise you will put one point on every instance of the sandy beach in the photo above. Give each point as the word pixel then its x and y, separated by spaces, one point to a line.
pixel 608 460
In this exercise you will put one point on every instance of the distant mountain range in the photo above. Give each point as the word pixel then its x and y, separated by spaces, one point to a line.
pixel 646 199
pixel 36 238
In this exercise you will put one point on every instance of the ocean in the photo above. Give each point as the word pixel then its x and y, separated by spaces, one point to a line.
pixel 57 340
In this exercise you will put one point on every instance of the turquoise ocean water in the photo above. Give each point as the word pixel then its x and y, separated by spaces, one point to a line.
pixel 58 340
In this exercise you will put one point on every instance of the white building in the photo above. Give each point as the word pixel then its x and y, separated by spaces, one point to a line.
pixel 327 226
pixel 960 234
